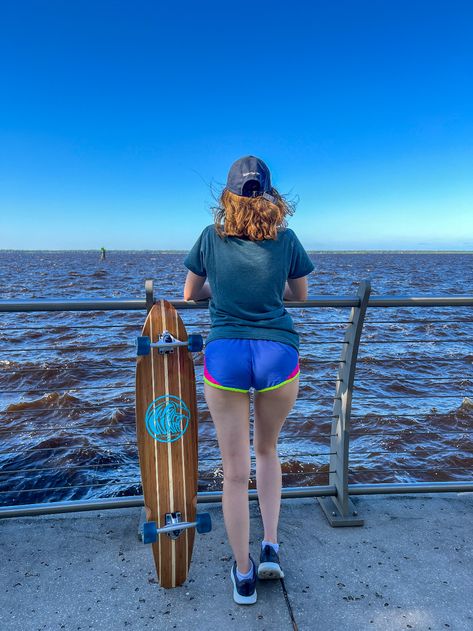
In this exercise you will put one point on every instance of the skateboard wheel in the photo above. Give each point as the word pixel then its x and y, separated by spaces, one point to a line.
pixel 195 343
pixel 150 533
pixel 143 345
pixel 204 523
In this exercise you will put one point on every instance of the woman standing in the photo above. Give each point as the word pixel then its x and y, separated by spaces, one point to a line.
pixel 253 262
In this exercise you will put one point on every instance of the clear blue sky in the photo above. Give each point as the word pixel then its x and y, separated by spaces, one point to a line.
pixel 115 118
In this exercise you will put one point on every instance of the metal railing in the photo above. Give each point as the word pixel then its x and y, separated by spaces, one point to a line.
pixel 334 497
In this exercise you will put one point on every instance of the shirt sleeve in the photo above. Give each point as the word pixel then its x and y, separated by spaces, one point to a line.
pixel 195 258
pixel 300 265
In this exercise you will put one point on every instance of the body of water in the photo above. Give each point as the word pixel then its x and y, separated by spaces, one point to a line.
pixel 67 379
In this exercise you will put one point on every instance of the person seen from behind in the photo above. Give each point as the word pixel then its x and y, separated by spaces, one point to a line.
pixel 253 262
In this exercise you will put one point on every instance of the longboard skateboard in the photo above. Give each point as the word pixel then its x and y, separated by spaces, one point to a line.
pixel 166 427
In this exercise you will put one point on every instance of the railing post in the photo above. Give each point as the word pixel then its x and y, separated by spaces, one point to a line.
pixel 339 509
pixel 149 294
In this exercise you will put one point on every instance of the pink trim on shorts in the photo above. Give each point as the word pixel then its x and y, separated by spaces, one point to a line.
pixel 294 372
pixel 209 377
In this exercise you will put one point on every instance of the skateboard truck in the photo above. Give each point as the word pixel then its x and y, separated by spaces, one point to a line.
pixel 174 526
pixel 167 343
pixel 173 518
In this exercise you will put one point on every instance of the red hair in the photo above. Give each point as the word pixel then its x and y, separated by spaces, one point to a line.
pixel 255 218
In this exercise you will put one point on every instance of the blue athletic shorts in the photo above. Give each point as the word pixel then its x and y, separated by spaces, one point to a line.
pixel 240 364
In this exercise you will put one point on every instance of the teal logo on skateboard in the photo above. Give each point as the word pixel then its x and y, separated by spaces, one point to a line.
pixel 167 418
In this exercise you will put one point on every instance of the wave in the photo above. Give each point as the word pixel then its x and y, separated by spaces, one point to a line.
pixel 50 400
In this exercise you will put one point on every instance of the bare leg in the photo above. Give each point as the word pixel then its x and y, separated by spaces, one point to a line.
pixel 230 412
pixel 271 410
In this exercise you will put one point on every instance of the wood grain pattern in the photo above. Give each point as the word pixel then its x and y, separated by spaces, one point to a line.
pixel 168 469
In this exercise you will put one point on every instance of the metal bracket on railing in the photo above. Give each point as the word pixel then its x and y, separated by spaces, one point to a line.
pixel 339 509
pixel 149 294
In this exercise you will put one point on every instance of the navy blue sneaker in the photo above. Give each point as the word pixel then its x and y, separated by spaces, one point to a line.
pixel 244 592
pixel 269 564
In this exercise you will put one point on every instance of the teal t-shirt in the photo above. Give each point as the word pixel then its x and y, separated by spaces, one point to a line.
pixel 247 280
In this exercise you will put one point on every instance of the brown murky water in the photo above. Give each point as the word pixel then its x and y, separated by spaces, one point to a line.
pixel 67 379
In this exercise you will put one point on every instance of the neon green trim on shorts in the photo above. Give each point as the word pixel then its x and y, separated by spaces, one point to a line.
pixel 214 385
pixel 279 384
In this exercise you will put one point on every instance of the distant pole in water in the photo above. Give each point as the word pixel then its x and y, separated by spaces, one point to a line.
pixel 102 254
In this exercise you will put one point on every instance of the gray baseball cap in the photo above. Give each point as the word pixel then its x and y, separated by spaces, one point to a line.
pixel 249 177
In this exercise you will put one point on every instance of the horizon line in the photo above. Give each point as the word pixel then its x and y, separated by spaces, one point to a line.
pixel 180 251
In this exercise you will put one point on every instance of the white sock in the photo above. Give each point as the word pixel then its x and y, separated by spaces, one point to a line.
pixel 249 574
pixel 275 546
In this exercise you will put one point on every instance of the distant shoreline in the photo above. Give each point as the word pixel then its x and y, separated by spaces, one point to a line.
pixel 308 251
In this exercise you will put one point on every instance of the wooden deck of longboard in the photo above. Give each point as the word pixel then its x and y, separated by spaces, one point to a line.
pixel 166 425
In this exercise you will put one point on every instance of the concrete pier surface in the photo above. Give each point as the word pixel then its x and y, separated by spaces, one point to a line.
pixel 409 567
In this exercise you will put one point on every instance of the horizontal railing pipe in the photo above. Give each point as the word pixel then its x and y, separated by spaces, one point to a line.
pixel 208 497
pixel 136 304
pixel 117 304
